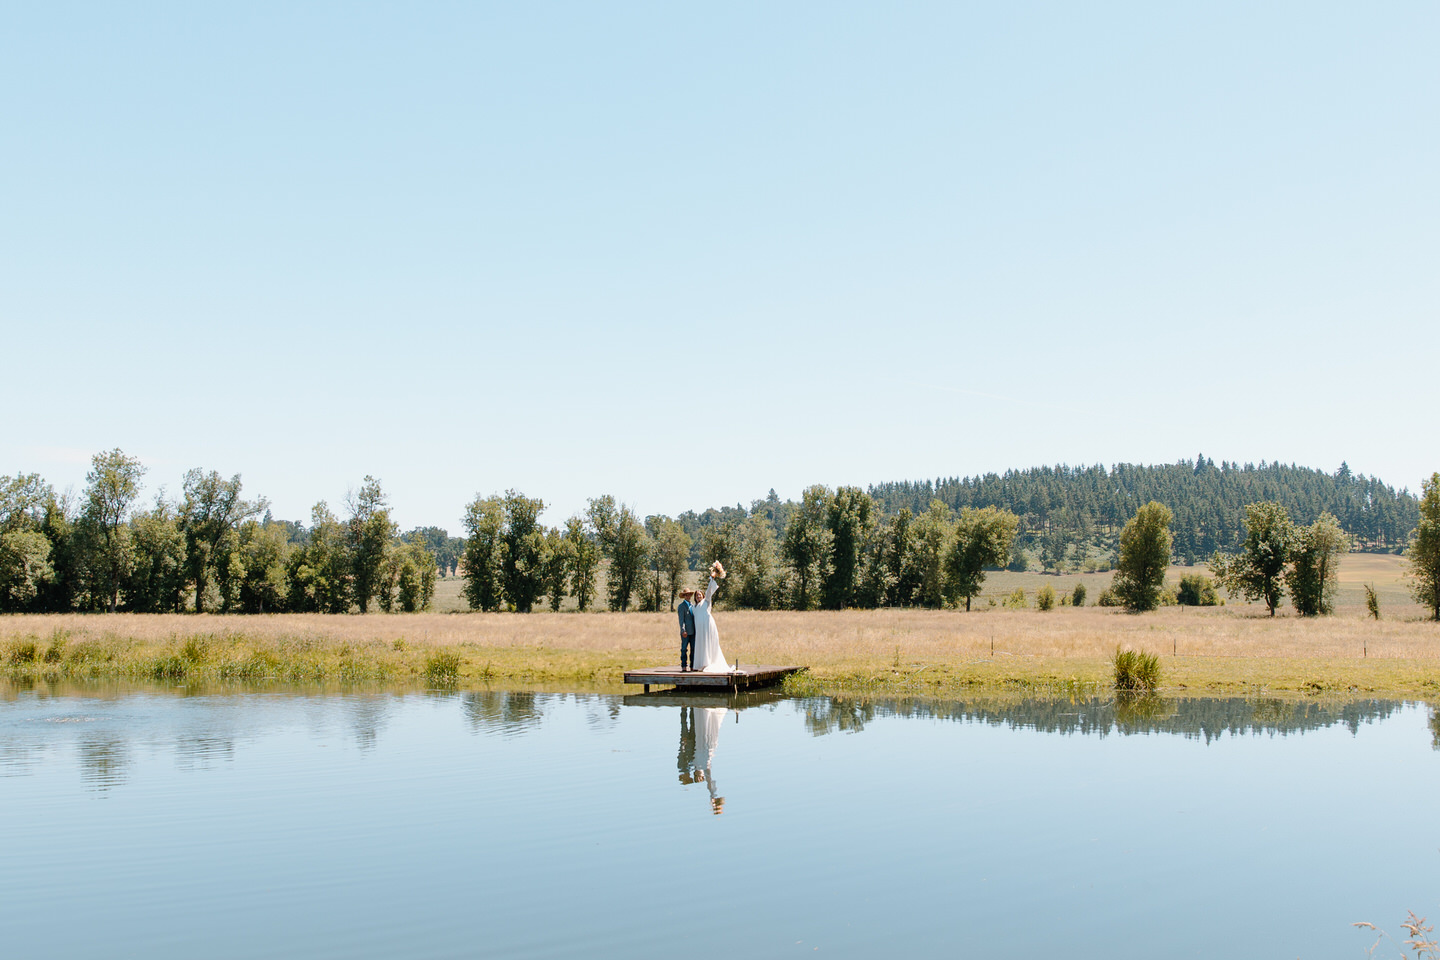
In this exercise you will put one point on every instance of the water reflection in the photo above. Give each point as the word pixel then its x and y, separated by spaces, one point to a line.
pixel 701 743
pixel 509 712
pixel 103 762
pixel 102 726
pixel 1204 719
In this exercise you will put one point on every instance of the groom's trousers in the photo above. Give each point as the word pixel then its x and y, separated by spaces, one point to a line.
pixel 687 651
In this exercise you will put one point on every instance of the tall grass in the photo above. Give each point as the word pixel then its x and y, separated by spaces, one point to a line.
pixel 1232 649
pixel 1136 671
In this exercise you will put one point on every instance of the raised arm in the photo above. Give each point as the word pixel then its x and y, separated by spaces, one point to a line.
pixel 710 590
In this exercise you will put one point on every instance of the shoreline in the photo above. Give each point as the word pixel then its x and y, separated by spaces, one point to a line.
pixel 943 654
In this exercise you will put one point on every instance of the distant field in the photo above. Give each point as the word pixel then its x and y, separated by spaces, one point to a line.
pixel 1383 571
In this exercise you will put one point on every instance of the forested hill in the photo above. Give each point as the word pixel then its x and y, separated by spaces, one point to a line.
pixel 1208 500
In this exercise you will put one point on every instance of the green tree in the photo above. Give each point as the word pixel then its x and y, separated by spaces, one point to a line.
pixel 320 571
pixel 584 561
pixel 1257 572
pixel 113 483
pixel 368 533
pixel 627 546
pixel 211 512
pixel 261 562
pixel 983 538
pixel 1423 554
pixel 157 579
pixel 896 561
pixel 24 549
pixel 1144 555
pixel 522 559
pixel 1077 599
pixel 851 518
pixel 414 577
pixel 1315 566
pixel 484 553
pixel 556 566
pixel 931 546
pixel 806 547
pixel 671 556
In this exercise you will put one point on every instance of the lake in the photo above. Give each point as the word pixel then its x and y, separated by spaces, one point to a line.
pixel 166 823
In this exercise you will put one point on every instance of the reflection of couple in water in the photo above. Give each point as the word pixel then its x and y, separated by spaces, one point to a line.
pixel 699 636
pixel 700 742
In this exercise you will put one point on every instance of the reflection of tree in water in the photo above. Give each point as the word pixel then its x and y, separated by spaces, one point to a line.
pixel 367 716
pixel 824 715
pixel 1201 718
pixel 198 753
pixel 1435 728
pixel 602 713
pixel 103 763
pixel 509 711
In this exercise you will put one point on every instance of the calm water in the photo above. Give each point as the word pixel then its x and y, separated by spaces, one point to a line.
pixel 154 824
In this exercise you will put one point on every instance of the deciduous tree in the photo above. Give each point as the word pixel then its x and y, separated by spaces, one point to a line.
pixel 367 535
pixel 1423 554
pixel 1257 572
pixel 211 512
pixel 1315 565
pixel 806 546
pixel 1144 555
pixel 851 518
pixel 484 553
pixel 982 539
pixel 113 483
pixel 584 561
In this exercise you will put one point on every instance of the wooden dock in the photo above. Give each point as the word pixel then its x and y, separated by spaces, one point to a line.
pixel 744 676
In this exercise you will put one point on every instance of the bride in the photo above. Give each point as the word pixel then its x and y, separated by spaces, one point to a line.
pixel 708 656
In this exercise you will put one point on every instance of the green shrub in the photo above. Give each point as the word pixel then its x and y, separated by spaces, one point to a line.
pixel 1372 601
pixel 442 669
pixel 1108 599
pixel 1136 671
pixel 1196 590
pixel 1016 600
pixel 1077 598
pixel 22 651
pixel 1045 598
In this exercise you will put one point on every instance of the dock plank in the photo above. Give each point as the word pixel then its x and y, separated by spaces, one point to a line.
pixel 742 677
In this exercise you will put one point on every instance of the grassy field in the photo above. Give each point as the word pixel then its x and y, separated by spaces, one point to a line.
pixel 1383 571
pixel 1234 649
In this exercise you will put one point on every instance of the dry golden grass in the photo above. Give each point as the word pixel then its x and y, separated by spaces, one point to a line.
pixel 1233 649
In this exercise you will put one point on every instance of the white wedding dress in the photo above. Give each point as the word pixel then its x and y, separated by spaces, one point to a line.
pixel 709 658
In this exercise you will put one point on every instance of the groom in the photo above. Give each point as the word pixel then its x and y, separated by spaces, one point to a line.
pixel 687 631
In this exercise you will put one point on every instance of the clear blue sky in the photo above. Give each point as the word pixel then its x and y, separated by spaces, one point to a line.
pixel 685 253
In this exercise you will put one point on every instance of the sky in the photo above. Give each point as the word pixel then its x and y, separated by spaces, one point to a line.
pixel 683 254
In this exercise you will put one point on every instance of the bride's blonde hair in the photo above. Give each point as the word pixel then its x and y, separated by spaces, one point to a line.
pixel 717 570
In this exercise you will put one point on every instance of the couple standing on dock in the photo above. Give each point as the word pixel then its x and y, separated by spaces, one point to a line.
pixel 699 636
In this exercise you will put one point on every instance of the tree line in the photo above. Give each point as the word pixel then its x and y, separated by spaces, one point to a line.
pixel 213 550
pixel 209 550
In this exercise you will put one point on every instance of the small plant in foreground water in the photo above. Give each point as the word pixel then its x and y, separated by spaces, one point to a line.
pixel 1136 671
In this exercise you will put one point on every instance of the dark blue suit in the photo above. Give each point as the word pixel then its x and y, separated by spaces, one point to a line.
pixel 687 635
